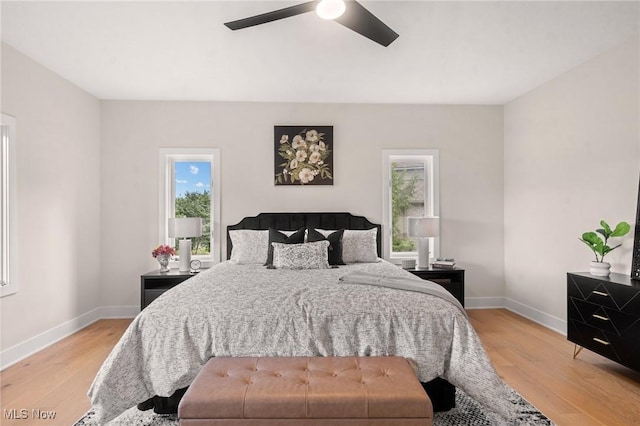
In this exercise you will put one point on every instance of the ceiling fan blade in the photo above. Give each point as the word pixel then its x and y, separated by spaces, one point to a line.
pixel 360 20
pixel 272 16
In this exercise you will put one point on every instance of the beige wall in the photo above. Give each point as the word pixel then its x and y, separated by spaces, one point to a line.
pixel 470 140
pixel 58 166
pixel 572 157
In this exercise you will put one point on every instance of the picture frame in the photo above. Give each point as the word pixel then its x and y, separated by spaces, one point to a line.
pixel 635 260
pixel 303 155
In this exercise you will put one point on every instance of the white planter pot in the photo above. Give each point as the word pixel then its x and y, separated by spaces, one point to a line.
pixel 600 269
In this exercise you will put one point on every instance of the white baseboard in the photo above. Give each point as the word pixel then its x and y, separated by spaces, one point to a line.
pixel 18 352
pixel 483 302
pixel 112 312
pixel 554 323
pixel 535 315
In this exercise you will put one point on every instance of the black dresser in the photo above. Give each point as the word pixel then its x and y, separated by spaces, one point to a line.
pixel 603 315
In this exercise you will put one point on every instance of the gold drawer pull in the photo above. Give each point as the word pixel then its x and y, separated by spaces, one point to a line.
pixel 599 293
pixel 600 317
pixel 601 341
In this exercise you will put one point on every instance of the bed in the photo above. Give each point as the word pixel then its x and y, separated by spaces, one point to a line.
pixel 243 308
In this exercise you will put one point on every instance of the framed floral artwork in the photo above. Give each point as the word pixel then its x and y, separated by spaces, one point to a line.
pixel 303 155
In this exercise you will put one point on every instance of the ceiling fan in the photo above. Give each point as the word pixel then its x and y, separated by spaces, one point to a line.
pixel 349 13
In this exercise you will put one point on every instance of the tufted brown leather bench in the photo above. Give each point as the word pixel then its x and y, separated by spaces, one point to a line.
pixel 306 391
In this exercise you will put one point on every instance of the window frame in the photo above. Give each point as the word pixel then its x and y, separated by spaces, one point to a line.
pixel 431 197
pixel 167 158
pixel 8 207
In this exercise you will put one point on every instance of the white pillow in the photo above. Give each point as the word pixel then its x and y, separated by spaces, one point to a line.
pixel 249 246
pixel 358 246
pixel 301 256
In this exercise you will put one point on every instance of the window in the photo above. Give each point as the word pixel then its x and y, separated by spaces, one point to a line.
pixel 410 189
pixel 8 207
pixel 190 187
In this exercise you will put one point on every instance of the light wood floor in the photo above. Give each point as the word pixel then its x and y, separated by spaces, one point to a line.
pixel 535 361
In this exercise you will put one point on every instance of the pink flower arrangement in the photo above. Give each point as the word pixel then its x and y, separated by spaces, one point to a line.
pixel 163 249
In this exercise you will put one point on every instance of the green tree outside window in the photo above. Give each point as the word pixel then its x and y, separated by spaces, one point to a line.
pixel 402 192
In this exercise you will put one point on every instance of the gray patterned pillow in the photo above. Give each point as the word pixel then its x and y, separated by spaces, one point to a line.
pixel 249 246
pixel 301 256
pixel 358 246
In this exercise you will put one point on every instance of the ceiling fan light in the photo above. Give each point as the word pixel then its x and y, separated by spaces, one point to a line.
pixel 330 9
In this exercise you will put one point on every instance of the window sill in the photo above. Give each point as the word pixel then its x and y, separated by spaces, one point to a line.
pixel 8 290
pixel 205 262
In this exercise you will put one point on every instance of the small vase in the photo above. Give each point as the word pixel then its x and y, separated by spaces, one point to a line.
pixel 163 260
pixel 600 269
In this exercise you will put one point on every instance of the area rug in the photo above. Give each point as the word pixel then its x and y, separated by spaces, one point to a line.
pixel 467 413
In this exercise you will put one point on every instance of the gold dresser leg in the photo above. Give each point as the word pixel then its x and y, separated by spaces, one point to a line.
pixel 576 350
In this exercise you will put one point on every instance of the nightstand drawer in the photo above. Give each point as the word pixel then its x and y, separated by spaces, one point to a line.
pixel 451 279
pixel 153 284
pixel 456 289
pixel 151 295
pixel 164 283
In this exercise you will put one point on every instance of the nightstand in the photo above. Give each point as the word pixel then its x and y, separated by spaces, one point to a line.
pixel 451 279
pixel 154 283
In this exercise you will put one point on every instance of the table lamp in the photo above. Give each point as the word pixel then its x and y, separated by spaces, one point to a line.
pixel 185 228
pixel 423 228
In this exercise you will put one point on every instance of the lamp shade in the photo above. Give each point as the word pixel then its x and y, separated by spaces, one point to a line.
pixel 423 227
pixel 185 227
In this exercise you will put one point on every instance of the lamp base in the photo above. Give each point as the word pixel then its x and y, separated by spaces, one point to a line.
pixel 423 253
pixel 185 254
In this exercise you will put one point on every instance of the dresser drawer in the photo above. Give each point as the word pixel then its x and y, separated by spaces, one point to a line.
pixel 623 348
pixel 591 338
pixel 606 319
pixel 604 293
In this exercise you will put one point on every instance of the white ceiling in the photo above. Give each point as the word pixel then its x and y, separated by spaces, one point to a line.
pixel 448 52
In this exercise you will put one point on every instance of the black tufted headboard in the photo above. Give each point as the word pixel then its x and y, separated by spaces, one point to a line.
pixel 293 221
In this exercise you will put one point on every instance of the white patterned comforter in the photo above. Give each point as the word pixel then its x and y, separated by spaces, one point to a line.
pixel 248 310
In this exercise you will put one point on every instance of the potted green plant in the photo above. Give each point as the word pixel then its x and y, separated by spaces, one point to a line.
pixel 600 248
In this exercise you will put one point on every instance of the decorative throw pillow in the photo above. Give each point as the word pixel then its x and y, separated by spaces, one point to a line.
pixel 335 241
pixel 358 246
pixel 284 237
pixel 249 246
pixel 301 256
